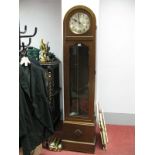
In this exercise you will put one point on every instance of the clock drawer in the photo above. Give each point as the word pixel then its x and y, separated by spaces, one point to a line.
pixel 77 132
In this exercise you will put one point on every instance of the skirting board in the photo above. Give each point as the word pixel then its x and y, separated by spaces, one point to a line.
pixel 119 118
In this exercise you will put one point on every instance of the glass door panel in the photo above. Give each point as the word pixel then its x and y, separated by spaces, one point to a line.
pixel 78 75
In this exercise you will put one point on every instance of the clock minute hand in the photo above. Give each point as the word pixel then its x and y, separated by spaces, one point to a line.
pixel 79 19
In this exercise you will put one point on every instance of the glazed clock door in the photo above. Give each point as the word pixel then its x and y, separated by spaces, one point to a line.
pixel 78 77
pixel 79 81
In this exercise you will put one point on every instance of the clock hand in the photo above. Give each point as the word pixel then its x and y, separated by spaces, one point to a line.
pixel 75 19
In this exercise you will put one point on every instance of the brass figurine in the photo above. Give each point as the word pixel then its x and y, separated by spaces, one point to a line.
pixel 44 49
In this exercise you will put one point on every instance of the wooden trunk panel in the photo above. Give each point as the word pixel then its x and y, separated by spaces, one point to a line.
pixel 77 132
pixel 79 147
pixel 79 136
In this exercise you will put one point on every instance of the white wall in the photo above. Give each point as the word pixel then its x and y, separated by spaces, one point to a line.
pixel 115 56
pixel 46 15
pixel 115 52
pixel 92 4
pixel 115 44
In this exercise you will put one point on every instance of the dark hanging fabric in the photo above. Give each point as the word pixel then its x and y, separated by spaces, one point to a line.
pixel 35 124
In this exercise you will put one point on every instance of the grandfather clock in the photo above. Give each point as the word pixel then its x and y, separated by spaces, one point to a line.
pixel 79 30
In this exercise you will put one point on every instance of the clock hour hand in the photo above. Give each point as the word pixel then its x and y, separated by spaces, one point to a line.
pixel 76 20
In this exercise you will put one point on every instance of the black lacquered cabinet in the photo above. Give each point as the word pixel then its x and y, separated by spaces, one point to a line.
pixel 53 88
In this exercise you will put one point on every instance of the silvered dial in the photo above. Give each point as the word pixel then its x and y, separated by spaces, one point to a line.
pixel 79 23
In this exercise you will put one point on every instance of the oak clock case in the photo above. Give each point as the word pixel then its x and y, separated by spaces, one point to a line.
pixel 79 31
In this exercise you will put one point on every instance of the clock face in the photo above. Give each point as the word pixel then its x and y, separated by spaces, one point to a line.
pixel 79 23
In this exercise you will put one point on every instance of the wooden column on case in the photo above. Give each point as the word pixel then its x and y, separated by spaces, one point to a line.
pixel 79 29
